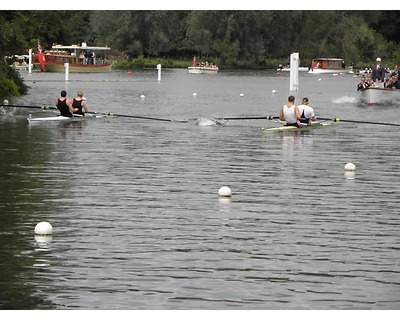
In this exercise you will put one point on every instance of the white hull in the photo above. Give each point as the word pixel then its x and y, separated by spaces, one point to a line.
pixel 206 70
pixel 302 69
pixel 380 96
pixel 62 119
pixel 328 71
pixel 314 125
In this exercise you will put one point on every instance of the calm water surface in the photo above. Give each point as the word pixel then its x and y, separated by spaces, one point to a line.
pixel 134 203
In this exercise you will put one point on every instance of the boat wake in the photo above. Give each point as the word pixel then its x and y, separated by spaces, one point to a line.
pixel 345 99
pixel 204 122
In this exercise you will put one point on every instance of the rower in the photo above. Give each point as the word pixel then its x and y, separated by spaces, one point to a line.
pixel 306 112
pixel 290 113
pixel 79 104
pixel 64 106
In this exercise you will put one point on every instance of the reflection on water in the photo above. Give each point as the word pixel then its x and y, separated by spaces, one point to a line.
pixel 134 203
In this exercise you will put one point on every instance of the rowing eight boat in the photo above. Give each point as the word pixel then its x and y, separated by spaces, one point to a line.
pixel 314 125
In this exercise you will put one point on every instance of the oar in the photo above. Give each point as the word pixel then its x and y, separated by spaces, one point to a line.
pixel 248 118
pixel 110 114
pixel 359 121
pixel 30 107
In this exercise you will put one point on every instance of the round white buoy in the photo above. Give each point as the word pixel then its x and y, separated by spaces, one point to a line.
pixel 273 91
pixel 194 94
pixel 142 96
pixel 5 101
pixel 84 98
pixel 43 228
pixel 349 167
pixel 319 79
pixel 224 192
pixel 242 94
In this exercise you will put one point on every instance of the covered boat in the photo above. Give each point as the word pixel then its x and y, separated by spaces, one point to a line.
pixel 81 58
pixel 328 65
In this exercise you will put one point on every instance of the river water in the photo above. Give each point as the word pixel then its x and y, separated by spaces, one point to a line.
pixel 137 221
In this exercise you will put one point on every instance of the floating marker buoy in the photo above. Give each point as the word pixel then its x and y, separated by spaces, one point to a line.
pixel 142 96
pixel 83 98
pixel 224 192
pixel 349 167
pixel 319 79
pixel 273 91
pixel 278 73
pixel 242 94
pixel 129 73
pixel 43 228
pixel 5 101
pixel 194 94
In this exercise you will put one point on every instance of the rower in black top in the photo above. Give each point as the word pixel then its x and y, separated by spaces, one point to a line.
pixel 79 105
pixel 63 105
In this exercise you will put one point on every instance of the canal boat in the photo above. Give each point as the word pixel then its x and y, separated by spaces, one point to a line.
pixel 81 59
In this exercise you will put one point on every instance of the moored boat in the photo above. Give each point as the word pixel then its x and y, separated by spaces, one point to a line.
pixel 380 96
pixel 81 59
pixel 312 126
pixel 328 65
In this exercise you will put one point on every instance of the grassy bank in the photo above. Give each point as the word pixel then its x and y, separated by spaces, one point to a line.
pixel 142 63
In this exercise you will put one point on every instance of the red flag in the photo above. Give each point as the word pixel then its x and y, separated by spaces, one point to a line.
pixel 41 57
pixel 194 61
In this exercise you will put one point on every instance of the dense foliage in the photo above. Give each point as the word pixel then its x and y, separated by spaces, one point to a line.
pixel 229 38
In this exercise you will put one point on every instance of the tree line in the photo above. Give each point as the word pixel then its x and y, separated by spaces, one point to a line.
pixel 231 38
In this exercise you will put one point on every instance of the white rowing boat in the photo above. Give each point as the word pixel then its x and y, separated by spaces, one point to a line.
pixel 314 125
pixel 62 118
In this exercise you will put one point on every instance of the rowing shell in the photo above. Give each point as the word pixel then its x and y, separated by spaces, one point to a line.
pixel 61 118
pixel 315 125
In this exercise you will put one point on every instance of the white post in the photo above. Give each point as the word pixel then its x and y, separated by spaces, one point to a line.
pixel 159 72
pixel 294 71
pixel 30 61
pixel 66 67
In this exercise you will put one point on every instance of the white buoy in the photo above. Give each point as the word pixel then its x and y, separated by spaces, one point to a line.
pixel 83 98
pixel 5 101
pixel 142 96
pixel 273 91
pixel 242 94
pixel 349 167
pixel 43 228
pixel 224 192
pixel 194 94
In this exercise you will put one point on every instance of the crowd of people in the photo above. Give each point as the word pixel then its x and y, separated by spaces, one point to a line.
pixel 377 77
pixel 299 115
pixel 72 107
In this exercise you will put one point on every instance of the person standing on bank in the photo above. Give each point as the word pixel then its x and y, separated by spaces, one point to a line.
pixel 306 112
pixel 290 113
pixel 79 105
pixel 64 106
